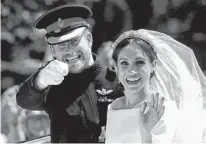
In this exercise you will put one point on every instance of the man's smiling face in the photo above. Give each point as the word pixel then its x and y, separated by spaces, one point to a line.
pixel 76 52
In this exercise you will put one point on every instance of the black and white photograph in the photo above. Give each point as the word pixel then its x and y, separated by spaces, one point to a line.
pixel 103 71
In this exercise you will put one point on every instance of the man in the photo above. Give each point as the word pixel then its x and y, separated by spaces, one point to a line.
pixel 65 87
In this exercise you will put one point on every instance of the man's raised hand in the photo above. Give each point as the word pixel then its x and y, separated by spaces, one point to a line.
pixel 52 74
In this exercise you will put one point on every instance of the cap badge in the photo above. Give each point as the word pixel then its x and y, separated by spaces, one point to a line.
pixel 60 23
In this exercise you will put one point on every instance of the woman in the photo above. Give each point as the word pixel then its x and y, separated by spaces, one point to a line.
pixel 150 63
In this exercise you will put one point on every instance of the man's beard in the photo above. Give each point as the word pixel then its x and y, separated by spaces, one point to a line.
pixel 80 65
pixel 77 68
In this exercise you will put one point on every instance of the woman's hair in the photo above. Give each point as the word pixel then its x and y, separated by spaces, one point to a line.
pixel 135 42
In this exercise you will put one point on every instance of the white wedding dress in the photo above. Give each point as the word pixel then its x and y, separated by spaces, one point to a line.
pixel 123 124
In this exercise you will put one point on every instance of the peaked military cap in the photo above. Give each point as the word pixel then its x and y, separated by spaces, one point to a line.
pixel 64 23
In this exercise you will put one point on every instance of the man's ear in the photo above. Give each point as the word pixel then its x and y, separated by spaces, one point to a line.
pixel 53 52
pixel 89 39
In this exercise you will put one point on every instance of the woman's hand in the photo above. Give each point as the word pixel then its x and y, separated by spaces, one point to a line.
pixel 156 110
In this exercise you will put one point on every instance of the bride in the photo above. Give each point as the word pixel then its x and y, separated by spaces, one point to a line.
pixel 164 90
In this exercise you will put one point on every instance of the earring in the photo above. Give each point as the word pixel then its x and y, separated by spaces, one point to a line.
pixel 152 74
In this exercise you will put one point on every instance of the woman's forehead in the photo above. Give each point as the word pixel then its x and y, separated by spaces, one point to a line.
pixel 131 52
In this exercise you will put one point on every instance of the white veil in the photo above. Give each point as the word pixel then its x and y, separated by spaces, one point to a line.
pixel 178 77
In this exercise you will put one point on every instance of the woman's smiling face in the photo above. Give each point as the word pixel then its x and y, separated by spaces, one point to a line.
pixel 134 69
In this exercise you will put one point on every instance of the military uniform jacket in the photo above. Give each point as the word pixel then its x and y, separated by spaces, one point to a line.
pixel 72 105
